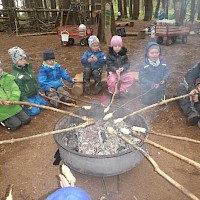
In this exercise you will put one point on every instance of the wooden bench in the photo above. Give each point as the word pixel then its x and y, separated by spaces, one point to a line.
pixel 77 88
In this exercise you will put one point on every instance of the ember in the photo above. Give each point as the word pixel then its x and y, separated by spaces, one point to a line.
pixel 95 139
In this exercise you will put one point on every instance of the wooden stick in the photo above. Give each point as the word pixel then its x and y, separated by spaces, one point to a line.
pixel 176 137
pixel 113 96
pixel 90 122
pixel 151 106
pixel 169 151
pixel 43 107
pixel 159 171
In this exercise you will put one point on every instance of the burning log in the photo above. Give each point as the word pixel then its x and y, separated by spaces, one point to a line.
pixel 155 165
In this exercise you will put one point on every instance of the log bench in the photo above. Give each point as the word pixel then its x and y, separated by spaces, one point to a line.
pixel 77 88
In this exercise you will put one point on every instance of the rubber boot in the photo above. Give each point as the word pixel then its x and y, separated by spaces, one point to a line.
pixel 87 88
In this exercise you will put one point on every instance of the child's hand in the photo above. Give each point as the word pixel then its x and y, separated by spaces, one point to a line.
pixel 52 90
pixel 194 97
pixel 118 72
pixel 162 82
pixel 74 80
pixel 94 58
pixel 156 86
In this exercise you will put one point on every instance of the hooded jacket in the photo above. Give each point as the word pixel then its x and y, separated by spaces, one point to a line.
pixel 26 81
pixel 192 75
pixel 117 60
pixel 93 65
pixel 149 74
pixel 9 91
pixel 51 77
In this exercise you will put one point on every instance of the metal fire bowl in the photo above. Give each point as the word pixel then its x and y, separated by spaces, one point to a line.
pixel 99 165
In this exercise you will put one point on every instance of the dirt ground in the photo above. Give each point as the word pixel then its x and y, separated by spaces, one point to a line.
pixel 28 164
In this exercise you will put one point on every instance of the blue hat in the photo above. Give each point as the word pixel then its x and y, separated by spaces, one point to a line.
pixel 48 55
pixel 69 193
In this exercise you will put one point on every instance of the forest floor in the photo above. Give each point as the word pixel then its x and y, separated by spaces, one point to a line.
pixel 28 165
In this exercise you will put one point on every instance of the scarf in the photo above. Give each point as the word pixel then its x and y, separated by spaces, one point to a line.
pixel 154 63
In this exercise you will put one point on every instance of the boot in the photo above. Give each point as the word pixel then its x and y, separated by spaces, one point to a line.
pixel 193 118
pixel 87 88
pixel 97 88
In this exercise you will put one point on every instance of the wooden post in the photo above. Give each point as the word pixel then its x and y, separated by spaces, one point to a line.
pixel 77 89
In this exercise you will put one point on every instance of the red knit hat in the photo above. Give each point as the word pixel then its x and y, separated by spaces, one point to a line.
pixel 116 41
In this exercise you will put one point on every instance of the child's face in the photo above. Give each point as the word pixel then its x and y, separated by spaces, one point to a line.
pixel 153 54
pixel 95 47
pixel 117 49
pixel 21 62
pixel 50 62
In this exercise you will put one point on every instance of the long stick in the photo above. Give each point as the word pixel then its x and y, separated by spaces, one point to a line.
pixel 176 137
pixel 47 133
pixel 155 165
pixel 113 96
pixel 43 107
pixel 169 151
pixel 151 106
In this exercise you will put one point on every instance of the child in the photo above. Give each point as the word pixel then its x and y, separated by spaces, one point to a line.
pixel 51 76
pixel 25 79
pixel 93 61
pixel 153 75
pixel 190 106
pixel 11 116
pixel 118 65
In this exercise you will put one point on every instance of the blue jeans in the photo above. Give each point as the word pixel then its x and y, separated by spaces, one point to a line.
pixel 37 99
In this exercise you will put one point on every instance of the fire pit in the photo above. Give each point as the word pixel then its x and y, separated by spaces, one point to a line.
pixel 98 165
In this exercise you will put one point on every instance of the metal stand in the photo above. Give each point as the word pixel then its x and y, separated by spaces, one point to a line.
pixel 114 191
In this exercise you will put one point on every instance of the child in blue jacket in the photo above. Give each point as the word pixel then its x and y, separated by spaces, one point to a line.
pixel 93 61
pixel 153 75
pixel 51 76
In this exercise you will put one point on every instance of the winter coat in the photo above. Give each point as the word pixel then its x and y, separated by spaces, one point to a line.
pixel 51 77
pixel 101 59
pixel 26 81
pixel 192 75
pixel 9 91
pixel 117 60
pixel 149 74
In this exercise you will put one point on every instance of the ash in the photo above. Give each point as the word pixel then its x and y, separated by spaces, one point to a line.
pixel 95 140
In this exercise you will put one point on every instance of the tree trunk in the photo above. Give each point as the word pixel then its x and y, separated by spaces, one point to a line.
pixel 53 6
pixel 136 7
pixel 198 16
pixel 192 10
pixel 120 7
pixel 148 4
pixel 131 9
pixel 183 12
pixel 163 4
pixel 157 9
pixel 113 25
pixel 167 8
pixel 92 10
pixel 125 9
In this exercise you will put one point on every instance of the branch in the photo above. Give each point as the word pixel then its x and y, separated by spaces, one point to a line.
pixel 151 106
pixel 169 151
pixel 43 107
pixel 47 133
pixel 159 171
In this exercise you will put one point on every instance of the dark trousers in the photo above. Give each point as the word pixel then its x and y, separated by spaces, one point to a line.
pixel 151 97
pixel 95 73
pixel 17 120
pixel 186 105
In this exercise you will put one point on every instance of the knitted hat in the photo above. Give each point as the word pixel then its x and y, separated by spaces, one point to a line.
pixel 197 81
pixel 152 45
pixel 116 41
pixel 92 39
pixel 16 53
pixel 69 193
pixel 48 55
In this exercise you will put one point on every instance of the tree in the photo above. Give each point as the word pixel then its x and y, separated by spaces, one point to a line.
pixel 120 7
pixel 198 16
pixel 136 9
pixel 125 9
pixel 131 9
pixel 148 6
pixel 192 10
pixel 157 9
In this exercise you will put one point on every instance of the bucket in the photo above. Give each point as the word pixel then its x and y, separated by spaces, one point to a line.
pixel 64 36
pixel 82 30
